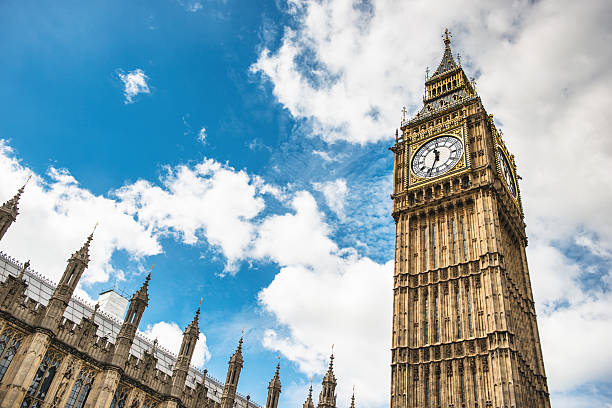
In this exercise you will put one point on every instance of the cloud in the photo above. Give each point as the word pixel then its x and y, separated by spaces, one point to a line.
pixel 335 195
pixel 135 82
pixel 208 200
pixel 57 215
pixel 202 135
pixel 326 295
pixel 543 69
pixel 170 336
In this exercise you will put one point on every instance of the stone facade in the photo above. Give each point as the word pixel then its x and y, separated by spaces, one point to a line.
pixel 57 351
pixel 464 323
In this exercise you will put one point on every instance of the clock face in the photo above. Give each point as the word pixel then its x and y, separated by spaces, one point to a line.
pixel 437 156
pixel 506 172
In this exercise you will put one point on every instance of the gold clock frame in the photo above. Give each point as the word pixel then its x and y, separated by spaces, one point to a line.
pixel 462 165
pixel 499 144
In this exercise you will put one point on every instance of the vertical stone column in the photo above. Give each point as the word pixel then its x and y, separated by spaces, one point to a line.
pixel 103 389
pixel 20 373
pixel 63 382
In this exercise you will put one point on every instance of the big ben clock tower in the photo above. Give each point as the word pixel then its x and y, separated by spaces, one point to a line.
pixel 464 323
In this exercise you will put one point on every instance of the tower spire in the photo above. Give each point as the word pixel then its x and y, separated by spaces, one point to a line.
pixel 10 210
pixel 125 338
pixel 309 403
pixel 58 302
pixel 181 368
pixel 327 397
pixel 274 388
pixel 233 375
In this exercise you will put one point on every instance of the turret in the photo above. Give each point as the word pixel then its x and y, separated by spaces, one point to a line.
pixel 9 211
pixel 274 389
pixel 181 368
pixel 233 374
pixel 327 397
pixel 309 403
pixel 64 290
pixel 138 304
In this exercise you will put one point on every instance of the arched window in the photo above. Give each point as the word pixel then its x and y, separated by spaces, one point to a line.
pixel 149 403
pixel 81 389
pixel 120 397
pixel 42 380
pixel 9 343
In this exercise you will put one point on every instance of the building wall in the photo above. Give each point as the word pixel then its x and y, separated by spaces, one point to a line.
pixel 81 349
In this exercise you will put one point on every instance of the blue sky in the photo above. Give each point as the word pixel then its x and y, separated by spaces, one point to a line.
pixel 242 148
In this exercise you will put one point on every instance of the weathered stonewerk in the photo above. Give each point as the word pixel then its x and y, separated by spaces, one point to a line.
pixel 57 351
pixel 464 322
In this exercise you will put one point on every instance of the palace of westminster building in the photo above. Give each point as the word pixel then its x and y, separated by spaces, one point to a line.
pixel 464 324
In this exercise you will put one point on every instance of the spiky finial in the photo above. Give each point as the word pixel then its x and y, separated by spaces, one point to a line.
pixel 143 292
pixel 353 398
pixel 10 206
pixel 447 37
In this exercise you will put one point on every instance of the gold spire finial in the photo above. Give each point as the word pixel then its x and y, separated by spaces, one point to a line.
pixel 447 37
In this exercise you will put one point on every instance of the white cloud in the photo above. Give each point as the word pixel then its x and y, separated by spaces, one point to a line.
pixel 57 215
pixel 335 195
pixel 543 70
pixel 202 135
pixel 324 155
pixel 209 200
pixel 325 295
pixel 170 336
pixel 135 82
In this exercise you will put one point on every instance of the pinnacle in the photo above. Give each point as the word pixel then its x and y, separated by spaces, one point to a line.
pixel 11 206
pixel 194 322
pixel 143 292
pixel 448 61
pixel 83 253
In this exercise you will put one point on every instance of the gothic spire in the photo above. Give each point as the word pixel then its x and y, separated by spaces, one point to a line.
pixel 274 389
pixel 275 382
pixel 193 326
pixel 12 204
pixel 309 403
pixel 9 210
pixel 237 356
pixel 83 253
pixel 353 398
pixel 143 292
pixel 448 61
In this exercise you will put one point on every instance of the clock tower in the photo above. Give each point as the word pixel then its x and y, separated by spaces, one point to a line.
pixel 464 323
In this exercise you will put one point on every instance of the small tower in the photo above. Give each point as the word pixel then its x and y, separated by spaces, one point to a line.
pixel 274 389
pixel 308 403
pixel 327 397
pixel 9 211
pixel 181 368
pixel 64 290
pixel 138 303
pixel 233 374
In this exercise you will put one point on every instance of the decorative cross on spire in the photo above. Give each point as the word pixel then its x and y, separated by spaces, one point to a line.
pixel 427 73
pixel 404 113
pixel 447 36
